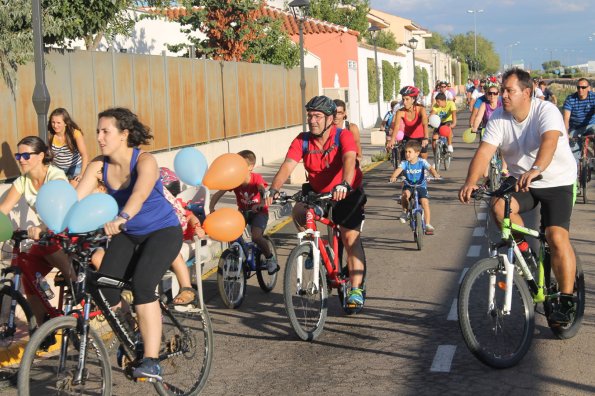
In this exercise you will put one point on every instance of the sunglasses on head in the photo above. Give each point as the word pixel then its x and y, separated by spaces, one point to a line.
pixel 582 86
pixel 25 156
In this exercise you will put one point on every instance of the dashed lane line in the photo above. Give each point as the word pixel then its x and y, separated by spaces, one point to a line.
pixel 474 251
pixel 479 231
pixel 443 359
pixel 482 216
pixel 453 314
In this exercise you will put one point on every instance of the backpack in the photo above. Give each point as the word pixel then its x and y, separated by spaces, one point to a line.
pixel 306 142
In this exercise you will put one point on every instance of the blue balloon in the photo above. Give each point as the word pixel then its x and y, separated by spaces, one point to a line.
pixel 54 200
pixel 190 166
pixel 91 213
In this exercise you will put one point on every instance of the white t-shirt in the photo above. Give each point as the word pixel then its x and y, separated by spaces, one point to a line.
pixel 538 93
pixel 476 94
pixel 519 143
pixel 447 93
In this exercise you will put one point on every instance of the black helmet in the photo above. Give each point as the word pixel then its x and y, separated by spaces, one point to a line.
pixel 323 104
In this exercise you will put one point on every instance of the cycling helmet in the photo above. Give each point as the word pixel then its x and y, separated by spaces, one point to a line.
pixel 409 90
pixel 324 104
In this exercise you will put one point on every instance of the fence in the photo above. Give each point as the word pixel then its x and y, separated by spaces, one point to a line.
pixel 183 101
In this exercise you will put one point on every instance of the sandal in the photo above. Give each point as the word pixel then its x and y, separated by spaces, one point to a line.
pixel 186 295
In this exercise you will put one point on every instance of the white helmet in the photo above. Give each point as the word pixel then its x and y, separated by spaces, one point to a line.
pixel 434 121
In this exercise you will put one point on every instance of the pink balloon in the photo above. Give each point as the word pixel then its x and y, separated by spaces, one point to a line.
pixel 400 135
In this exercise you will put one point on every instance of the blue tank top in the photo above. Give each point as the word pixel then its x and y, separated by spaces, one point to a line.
pixel 156 212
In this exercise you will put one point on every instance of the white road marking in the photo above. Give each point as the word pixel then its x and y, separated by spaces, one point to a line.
pixel 453 314
pixel 482 216
pixel 443 358
pixel 463 274
pixel 474 251
pixel 479 231
pixel 483 204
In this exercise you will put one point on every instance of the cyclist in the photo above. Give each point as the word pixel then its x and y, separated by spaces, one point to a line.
pixel 447 111
pixel 412 119
pixel 477 98
pixel 387 123
pixel 547 93
pixel 443 89
pixel 579 113
pixel 340 121
pixel 537 92
pixel 414 169
pixel 35 158
pixel 146 234
pixel 533 141
pixel 487 108
pixel 332 168
pixel 469 88
pixel 249 196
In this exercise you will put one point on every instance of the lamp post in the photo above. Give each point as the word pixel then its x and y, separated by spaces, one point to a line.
pixel 41 95
pixel 435 71
pixel 509 46
pixel 474 12
pixel 413 46
pixel 373 32
pixel 299 8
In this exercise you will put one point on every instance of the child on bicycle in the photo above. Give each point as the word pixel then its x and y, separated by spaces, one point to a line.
pixel 249 197
pixel 447 111
pixel 414 169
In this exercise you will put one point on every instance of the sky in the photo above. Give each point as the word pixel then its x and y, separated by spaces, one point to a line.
pixel 559 29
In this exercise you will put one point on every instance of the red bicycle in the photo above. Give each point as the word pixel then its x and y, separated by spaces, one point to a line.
pixel 17 322
pixel 314 267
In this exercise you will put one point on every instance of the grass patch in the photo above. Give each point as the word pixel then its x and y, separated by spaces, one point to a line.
pixel 380 156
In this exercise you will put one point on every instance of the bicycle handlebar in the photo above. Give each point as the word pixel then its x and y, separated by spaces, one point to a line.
pixel 508 186
pixel 309 199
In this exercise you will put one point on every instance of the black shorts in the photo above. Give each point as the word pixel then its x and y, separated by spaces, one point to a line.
pixel 422 192
pixel 423 149
pixel 556 204
pixel 349 212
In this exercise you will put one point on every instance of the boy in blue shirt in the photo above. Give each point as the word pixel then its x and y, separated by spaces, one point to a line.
pixel 414 169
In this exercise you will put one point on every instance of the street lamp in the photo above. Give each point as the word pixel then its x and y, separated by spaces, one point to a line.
pixel 474 12
pixel 413 46
pixel 373 32
pixel 509 46
pixel 299 8
pixel 41 95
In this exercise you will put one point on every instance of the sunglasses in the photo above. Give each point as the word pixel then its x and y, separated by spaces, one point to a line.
pixel 582 86
pixel 443 86
pixel 25 156
pixel 492 93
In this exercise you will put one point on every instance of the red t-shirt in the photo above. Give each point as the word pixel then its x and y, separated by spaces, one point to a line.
pixel 325 171
pixel 247 195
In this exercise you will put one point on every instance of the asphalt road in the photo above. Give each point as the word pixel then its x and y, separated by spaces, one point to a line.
pixel 407 340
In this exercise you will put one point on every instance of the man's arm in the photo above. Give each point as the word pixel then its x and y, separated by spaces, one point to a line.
pixel 348 175
pixel 478 165
pixel 281 177
pixel 478 117
pixel 567 121
pixel 547 148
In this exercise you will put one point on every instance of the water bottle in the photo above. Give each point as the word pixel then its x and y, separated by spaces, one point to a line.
pixel 44 286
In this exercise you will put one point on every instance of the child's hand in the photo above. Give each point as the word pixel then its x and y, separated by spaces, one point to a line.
pixel 199 231
pixel 392 179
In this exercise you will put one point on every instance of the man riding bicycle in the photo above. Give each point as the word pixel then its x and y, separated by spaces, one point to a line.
pixel 579 113
pixel 532 139
pixel 331 166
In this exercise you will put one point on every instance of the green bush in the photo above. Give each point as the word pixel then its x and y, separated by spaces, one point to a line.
pixel 372 91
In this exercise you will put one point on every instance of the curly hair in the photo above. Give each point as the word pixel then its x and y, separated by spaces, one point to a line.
pixel 138 133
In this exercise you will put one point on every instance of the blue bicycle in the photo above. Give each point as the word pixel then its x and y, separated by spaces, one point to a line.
pixel 240 261
pixel 415 214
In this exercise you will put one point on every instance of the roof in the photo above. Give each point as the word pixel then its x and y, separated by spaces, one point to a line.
pixel 290 23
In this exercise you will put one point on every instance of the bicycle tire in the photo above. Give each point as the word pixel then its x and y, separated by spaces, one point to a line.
pixel 419 231
pixel 232 286
pixel 299 304
pixel 437 156
pixel 25 324
pixel 396 156
pixel 570 330
pixel 506 341
pixel 583 180
pixel 446 160
pixel 265 281
pixel 189 345
pixel 37 365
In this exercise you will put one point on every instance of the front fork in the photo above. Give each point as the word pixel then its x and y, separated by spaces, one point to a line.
pixel 313 242
pixel 83 324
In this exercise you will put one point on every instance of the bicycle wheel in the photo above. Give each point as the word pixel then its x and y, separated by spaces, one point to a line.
pixel 41 374
pixel 419 231
pixel 396 156
pixel 305 304
pixel 446 159
pixel 266 282
pixel 231 279
pixel 437 156
pixel 570 330
pixel 497 339
pixel 583 178
pixel 11 339
pixel 186 351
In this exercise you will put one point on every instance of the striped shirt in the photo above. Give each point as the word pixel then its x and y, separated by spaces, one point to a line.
pixel 63 157
pixel 582 112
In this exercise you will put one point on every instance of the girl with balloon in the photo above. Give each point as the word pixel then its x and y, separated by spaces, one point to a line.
pixel 34 158
pixel 146 234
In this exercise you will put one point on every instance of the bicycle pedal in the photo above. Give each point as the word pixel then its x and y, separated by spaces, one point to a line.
pixel 145 379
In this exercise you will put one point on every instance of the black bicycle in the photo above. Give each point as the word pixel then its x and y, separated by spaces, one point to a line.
pixel 78 363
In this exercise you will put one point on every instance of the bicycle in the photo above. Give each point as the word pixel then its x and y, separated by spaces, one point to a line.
pixel 239 262
pixel 499 295
pixel 494 177
pixel 441 153
pixel 80 360
pixel 313 267
pixel 415 214
pixel 584 164
pixel 397 153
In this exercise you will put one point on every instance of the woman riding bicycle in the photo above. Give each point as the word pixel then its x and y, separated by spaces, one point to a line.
pixel 412 119
pixel 146 234
pixel 488 107
pixel 35 158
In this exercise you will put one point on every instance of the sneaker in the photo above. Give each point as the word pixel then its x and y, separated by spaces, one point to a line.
pixel 450 148
pixel 149 368
pixel 404 218
pixel 429 229
pixel 272 265
pixel 564 313
pixel 355 297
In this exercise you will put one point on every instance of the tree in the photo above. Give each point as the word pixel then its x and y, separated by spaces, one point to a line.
pixel 236 30
pixel 549 65
pixel 385 39
pixel 438 42
pixel 462 45
pixel 352 14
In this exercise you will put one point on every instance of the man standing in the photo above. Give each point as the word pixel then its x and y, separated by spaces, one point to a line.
pixel 533 141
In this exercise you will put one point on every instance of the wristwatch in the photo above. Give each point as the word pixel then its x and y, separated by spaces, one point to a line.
pixel 537 168
pixel 124 215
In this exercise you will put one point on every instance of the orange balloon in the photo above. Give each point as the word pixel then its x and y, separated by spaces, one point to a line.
pixel 226 173
pixel 224 224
